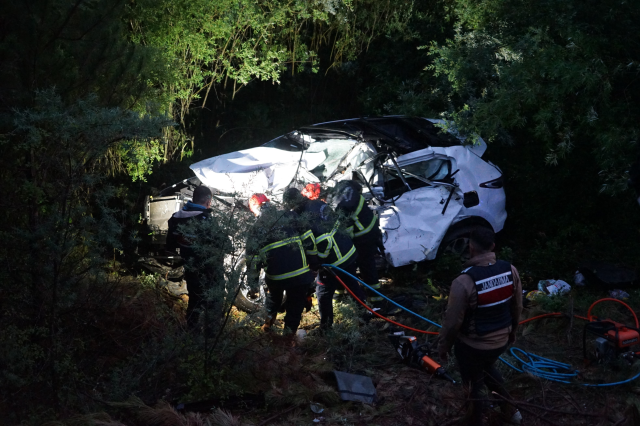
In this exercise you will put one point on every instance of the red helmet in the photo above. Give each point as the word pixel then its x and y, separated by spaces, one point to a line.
pixel 311 191
pixel 256 201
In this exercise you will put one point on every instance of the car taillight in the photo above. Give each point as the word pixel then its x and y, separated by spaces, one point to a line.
pixel 493 184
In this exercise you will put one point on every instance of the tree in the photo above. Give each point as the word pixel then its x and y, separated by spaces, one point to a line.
pixel 563 74
pixel 212 49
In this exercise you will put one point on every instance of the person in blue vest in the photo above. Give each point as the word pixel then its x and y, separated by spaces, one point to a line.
pixel 365 231
pixel 200 273
pixel 483 312
pixel 277 244
pixel 334 246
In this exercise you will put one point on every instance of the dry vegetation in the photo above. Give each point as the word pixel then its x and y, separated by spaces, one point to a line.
pixel 262 380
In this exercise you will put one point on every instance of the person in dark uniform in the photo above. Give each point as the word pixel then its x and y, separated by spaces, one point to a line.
pixel 365 230
pixel 485 303
pixel 200 273
pixel 277 245
pixel 334 246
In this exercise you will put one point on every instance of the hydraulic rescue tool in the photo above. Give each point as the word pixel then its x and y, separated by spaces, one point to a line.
pixel 418 356
pixel 614 339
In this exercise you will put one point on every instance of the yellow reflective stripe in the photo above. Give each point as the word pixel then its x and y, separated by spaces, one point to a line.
pixel 279 244
pixel 345 257
pixel 350 231
pixel 288 274
pixel 314 250
pixel 330 241
pixel 282 243
pixel 357 212
pixel 368 228
pixel 361 228
pixel 376 286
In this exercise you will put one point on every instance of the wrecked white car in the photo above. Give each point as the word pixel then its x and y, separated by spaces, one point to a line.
pixel 428 188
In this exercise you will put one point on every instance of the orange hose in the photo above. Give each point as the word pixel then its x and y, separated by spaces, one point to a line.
pixel 554 314
pixel 378 315
pixel 612 300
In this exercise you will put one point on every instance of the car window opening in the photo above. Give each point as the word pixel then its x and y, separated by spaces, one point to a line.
pixel 417 175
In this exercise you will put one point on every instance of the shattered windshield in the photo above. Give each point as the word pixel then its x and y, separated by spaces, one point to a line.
pixel 334 151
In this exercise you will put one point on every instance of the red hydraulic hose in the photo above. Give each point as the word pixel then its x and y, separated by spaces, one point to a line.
pixel 591 317
pixel 554 314
pixel 380 316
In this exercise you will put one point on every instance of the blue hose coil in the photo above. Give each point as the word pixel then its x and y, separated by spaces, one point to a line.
pixel 536 365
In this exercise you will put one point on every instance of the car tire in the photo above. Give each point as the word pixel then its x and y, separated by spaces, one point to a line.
pixel 456 242
pixel 246 300
pixel 248 304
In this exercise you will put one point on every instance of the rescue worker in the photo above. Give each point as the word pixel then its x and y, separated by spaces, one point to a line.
pixel 199 273
pixel 334 247
pixel 365 231
pixel 485 303
pixel 276 245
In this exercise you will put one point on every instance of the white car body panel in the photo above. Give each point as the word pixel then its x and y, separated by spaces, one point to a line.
pixel 413 225
pixel 410 235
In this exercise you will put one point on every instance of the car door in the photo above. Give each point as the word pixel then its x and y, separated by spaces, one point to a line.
pixel 421 201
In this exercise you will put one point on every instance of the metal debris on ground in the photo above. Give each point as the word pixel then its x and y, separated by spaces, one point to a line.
pixel 353 387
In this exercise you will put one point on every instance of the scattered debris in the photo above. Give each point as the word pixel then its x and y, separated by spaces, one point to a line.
pixel 176 289
pixel 316 408
pixel 579 279
pixel 554 286
pixel 533 297
pixel 619 294
pixel 353 387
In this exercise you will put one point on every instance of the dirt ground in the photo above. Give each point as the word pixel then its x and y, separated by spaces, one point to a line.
pixel 303 390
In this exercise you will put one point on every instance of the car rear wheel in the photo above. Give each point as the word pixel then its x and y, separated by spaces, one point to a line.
pixel 456 242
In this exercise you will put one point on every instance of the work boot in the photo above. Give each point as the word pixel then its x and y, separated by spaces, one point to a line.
pixel 268 323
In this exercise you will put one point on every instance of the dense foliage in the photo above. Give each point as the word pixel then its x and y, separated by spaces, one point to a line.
pixel 97 95
pixel 563 74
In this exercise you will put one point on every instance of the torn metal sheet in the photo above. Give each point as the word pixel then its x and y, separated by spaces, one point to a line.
pixel 414 227
pixel 271 170
pixel 424 184
pixel 353 387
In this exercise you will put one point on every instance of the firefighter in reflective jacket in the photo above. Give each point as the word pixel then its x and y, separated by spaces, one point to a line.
pixel 334 246
pixel 277 245
pixel 485 303
pixel 365 231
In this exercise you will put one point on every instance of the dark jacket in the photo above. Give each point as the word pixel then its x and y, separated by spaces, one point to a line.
pixel 333 243
pixel 278 245
pixel 363 224
pixel 176 238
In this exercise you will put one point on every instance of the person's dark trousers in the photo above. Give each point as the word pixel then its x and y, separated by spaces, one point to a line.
pixel 366 262
pixel 195 288
pixel 296 300
pixel 197 283
pixel 327 285
pixel 477 368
